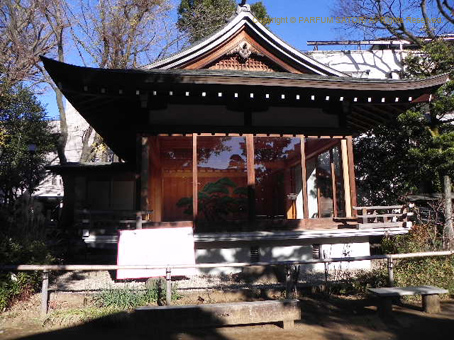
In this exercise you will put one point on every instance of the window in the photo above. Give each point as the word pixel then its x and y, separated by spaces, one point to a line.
pixel 171 178
pixel 222 178
pixel 324 178
pixel 229 197
pixel 277 164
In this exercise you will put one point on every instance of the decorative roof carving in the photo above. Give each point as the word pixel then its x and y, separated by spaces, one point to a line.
pixel 243 7
pixel 254 62
pixel 244 50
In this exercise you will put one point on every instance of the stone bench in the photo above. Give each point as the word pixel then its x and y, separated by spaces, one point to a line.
pixel 430 297
pixel 284 312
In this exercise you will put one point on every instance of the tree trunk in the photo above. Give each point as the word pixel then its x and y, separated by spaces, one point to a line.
pixel 448 233
pixel 86 147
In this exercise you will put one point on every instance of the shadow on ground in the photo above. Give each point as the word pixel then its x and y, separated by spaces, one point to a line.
pixel 322 318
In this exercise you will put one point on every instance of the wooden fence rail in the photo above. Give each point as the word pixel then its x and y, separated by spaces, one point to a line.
pixel 47 268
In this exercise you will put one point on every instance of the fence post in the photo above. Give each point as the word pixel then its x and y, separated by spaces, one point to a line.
pixel 288 281
pixel 391 271
pixel 45 293
pixel 168 286
pixel 139 220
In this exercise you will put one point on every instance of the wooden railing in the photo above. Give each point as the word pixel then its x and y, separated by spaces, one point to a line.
pixel 111 219
pixel 382 216
pixel 287 264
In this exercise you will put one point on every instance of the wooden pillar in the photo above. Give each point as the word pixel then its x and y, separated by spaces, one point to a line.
pixel 351 171
pixel 155 187
pixel 195 181
pixel 250 177
pixel 289 204
pixel 304 177
pixel 333 182
pixel 346 177
pixel 144 173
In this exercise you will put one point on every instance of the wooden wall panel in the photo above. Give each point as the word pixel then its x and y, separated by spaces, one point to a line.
pixel 175 188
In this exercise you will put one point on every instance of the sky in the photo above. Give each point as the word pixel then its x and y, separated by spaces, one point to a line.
pixel 296 34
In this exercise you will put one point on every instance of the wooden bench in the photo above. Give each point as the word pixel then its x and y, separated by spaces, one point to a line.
pixel 430 297
pixel 393 216
pixel 284 312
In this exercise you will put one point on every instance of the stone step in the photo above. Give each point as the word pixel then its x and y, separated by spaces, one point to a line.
pixel 284 312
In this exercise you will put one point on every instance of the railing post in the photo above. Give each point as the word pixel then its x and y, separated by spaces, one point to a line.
pixel 391 271
pixel 288 281
pixel 168 286
pixel 45 293
pixel 139 220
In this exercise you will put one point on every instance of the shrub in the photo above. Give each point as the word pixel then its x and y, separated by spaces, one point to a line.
pixel 359 282
pixel 19 286
pixel 436 271
pixel 129 297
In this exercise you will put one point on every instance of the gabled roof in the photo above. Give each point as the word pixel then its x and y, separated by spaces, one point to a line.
pixel 245 26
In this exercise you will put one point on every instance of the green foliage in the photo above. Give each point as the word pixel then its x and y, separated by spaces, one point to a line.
pixel 217 200
pixel 200 18
pixel 17 286
pixel 358 283
pixel 260 12
pixel 129 298
pixel 436 271
pixel 413 153
pixel 384 170
pixel 22 123
pixel 437 57
pixel 421 238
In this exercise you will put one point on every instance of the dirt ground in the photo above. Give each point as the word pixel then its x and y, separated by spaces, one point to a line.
pixel 323 317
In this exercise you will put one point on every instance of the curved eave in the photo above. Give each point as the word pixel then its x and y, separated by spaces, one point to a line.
pixel 117 103
pixel 244 19
pixel 61 71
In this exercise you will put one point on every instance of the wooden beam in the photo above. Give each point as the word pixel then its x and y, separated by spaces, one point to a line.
pixel 351 171
pixel 304 177
pixel 346 177
pixel 323 149
pixel 250 177
pixel 369 112
pixel 195 182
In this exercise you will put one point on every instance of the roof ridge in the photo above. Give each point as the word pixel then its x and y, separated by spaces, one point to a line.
pixel 243 18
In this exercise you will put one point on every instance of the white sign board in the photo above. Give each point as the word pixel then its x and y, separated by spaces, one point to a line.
pixel 155 247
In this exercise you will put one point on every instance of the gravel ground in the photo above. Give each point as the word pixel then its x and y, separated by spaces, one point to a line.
pixel 80 281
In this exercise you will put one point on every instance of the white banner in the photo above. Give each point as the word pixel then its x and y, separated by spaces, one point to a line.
pixel 155 247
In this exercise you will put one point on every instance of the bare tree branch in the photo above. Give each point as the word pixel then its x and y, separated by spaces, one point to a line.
pixel 446 15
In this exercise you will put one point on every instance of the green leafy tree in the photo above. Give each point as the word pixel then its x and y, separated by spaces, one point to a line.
pixel 427 129
pixel 200 18
pixel 22 124
pixel 414 154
